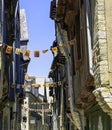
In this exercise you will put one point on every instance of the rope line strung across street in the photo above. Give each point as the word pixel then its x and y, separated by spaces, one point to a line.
pixel 18 51
pixel 37 110
pixel 54 84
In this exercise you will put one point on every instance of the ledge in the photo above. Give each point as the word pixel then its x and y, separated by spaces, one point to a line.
pixel 104 98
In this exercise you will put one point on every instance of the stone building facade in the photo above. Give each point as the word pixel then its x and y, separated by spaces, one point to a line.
pixel 87 61
pixel 12 69
pixel 102 50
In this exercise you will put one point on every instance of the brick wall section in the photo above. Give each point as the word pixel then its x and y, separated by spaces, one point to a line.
pixel 100 45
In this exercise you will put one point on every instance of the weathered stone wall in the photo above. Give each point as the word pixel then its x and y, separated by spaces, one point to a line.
pixel 102 48
pixel 100 45
pixel 108 15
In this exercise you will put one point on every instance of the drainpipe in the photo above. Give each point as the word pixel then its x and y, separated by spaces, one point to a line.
pixel 14 58
pixel 2 19
pixel 13 64
pixel 61 111
pixel 89 38
pixel 43 118
pixel 1 57
pixel 1 50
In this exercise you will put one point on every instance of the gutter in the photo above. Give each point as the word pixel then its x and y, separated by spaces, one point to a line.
pixel 89 38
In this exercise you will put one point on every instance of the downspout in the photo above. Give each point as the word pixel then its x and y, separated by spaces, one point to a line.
pixel 1 50
pixel 75 114
pixel 13 64
pixel 14 58
pixel 1 57
pixel 89 38
pixel 61 111
pixel 2 19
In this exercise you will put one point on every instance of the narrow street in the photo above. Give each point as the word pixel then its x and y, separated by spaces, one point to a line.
pixel 75 94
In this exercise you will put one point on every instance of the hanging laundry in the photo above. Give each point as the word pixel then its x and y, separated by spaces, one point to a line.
pixel 36 85
pixel 62 44
pixel 72 42
pixel 18 51
pixel 59 83
pixel 27 53
pixel 55 84
pixel 36 53
pixel 9 49
pixel 54 49
pixel 44 51
pixel 13 85
pixel 23 86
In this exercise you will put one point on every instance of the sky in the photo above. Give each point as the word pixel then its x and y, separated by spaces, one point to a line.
pixel 41 35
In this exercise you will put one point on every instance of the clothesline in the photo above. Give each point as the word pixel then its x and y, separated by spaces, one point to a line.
pixel 54 84
pixel 37 110
pixel 26 52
